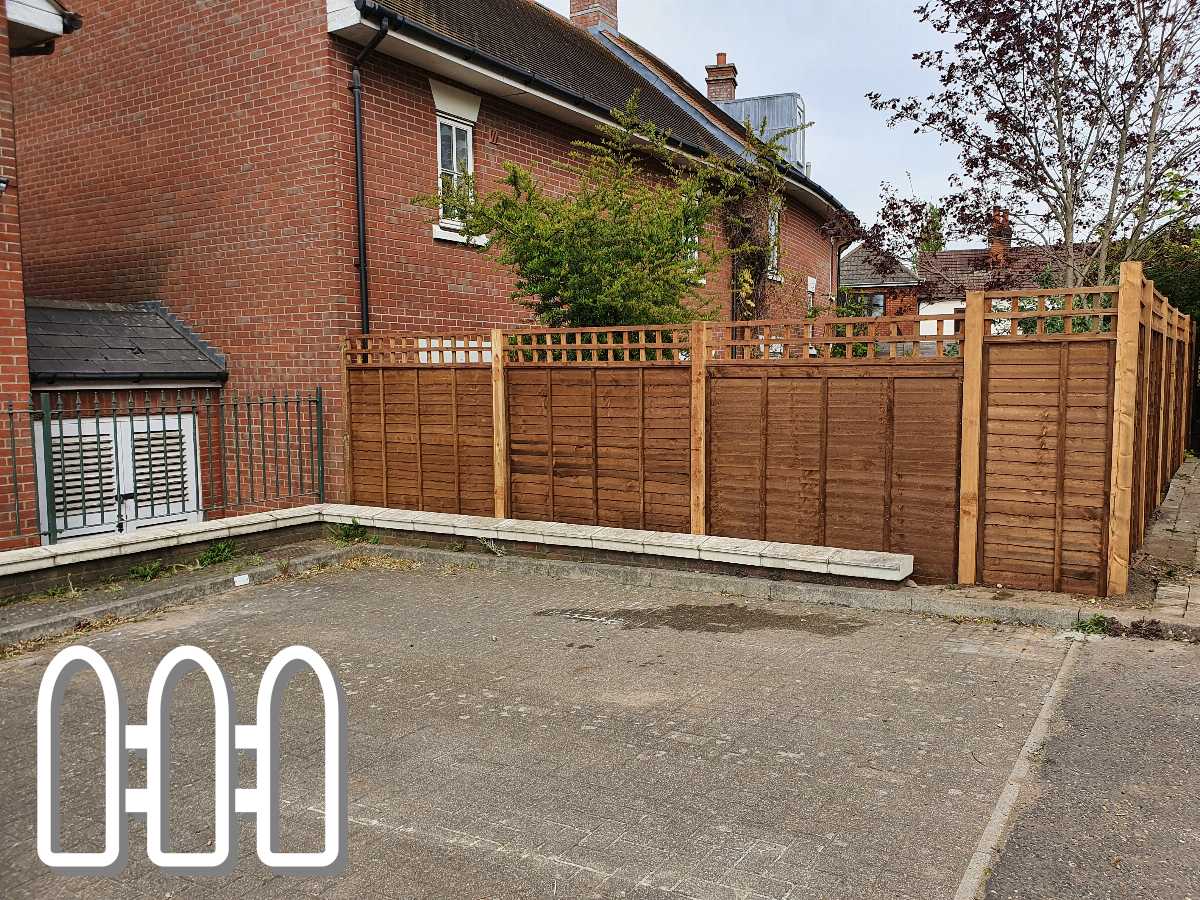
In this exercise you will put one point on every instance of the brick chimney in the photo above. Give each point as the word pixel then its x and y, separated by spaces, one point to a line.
pixel 722 79
pixel 590 13
pixel 999 238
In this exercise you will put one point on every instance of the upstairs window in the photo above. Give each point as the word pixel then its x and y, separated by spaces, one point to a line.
pixel 456 159
pixel 773 241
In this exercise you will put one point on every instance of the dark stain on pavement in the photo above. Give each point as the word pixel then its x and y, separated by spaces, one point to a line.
pixel 724 618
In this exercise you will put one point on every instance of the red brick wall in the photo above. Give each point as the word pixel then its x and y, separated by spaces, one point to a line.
pixel 419 281
pixel 187 152
pixel 804 252
pixel 202 154
pixel 16 492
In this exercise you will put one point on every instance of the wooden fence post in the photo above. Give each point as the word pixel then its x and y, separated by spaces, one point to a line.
pixel 347 432
pixel 698 355
pixel 499 427
pixel 1184 389
pixel 972 439
pixel 1125 389
pixel 1162 393
pixel 1169 416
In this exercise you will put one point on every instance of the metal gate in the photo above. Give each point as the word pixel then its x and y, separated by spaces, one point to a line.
pixel 117 474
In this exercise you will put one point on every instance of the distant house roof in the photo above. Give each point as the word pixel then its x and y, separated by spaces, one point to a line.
pixel 598 69
pixel 949 274
pixel 115 342
pixel 859 270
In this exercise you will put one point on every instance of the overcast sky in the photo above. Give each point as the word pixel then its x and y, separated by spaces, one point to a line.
pixel 831 54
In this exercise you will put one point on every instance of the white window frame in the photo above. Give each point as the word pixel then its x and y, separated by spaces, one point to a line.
pixel 447 223
pixel 775 236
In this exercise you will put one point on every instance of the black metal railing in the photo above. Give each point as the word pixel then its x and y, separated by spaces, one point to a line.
pixel 96 461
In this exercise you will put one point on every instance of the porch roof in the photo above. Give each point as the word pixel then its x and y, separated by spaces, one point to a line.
pixel 115 342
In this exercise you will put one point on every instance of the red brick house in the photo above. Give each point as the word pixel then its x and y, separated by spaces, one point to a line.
pixel 882 290
pixel 947 275
pixel 203 156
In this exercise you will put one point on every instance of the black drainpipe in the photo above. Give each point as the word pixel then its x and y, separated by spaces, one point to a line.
pixel 360 181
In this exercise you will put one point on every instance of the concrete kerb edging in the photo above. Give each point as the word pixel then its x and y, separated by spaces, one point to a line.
pixel 868 564
pixel 175 595
pixel 904 600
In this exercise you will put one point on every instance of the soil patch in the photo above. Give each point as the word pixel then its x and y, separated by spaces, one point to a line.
pixel 724 618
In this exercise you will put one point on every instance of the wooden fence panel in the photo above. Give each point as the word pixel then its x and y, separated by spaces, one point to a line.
pixel 857 441
pixel 530 479
pixel 421 438
pixel 844 456
pixel 988 451
pixel 735 463
pixel 666 463
pixel 400 390
pixel 923 517
pixel 795 460
pixel 600 446
pixel 620 436
pixel 1047 446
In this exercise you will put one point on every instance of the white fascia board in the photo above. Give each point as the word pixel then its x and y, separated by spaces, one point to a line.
pixel 809 198
pixel 44 16
pixel 346 22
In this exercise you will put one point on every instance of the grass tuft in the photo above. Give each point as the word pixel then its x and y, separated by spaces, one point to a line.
pixel 353 533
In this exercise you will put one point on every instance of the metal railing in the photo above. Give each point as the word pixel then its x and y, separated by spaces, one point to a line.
pixel 96 461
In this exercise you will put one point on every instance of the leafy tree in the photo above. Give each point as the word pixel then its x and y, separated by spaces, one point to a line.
pixel 623 247
pixel 1081 117
pixel 637 235
pixel 1173 261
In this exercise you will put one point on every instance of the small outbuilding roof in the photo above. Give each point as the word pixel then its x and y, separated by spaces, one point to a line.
pixel 859 269
pixel 115 342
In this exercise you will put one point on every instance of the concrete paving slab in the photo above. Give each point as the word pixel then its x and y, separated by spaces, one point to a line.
pixel 1113 812
pixel 518 735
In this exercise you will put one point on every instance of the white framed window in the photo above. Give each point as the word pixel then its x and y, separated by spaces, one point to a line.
pixel 773 241
pixel 456 159
pixel 694 240
pixel 812 294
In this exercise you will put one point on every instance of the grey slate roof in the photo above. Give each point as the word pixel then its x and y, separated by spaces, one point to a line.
pixel 954 272
pixel 858 270
pixel 538 44
pixel 79 341
pixel 534 39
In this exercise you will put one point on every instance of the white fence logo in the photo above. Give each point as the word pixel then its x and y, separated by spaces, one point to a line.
pixel 261 738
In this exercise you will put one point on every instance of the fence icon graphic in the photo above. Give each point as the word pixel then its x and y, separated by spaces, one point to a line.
pixel 261 738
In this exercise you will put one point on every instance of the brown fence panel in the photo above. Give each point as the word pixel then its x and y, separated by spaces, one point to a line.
pixel 839 454
pixel 1049 361
pixel 1025 443
pixel 925 473
pixel 600 445
pixel 419 423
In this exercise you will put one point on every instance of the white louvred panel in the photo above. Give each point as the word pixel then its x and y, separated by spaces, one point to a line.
pixel 161 472
pixel 85 479
pixel 162 461
pixel 118 473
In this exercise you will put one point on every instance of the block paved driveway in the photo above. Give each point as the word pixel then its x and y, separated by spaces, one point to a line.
pixel 528 737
